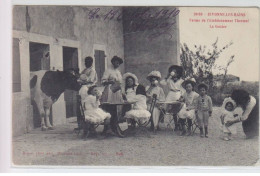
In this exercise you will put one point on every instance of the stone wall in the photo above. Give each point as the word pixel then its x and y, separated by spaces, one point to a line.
pixel 151 39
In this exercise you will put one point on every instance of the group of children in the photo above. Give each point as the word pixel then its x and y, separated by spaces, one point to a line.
pixel 196 106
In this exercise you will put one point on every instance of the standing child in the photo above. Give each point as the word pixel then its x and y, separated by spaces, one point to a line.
pixel 229 113
pixel 174 84
pixel 139 111
pixel 154 89
pixel 91 103
pixel 203 108
pixel 187 111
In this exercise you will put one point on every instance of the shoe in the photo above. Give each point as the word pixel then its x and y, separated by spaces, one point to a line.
pixel 226 139
pixel 188 133
pixel 201 133
pixel 183 133
pixel 206 132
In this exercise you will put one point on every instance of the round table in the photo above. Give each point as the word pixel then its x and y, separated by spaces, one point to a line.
pixel 171 109
pixel 117 115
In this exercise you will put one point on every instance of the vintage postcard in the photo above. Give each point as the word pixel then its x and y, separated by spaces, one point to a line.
pixel 135 86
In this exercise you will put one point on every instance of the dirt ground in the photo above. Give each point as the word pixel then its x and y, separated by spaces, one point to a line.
pixel 63 147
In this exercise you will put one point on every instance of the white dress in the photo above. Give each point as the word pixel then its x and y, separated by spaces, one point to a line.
pixel 139 111
pixel 188 98
pixel 229 116
pixel 83 92
pixel 160 97
pixel 175 89
pixel 108 95
pixel 92 111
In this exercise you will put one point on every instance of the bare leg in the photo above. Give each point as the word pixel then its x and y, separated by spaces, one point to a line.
pixel 39 104
pixel 47 116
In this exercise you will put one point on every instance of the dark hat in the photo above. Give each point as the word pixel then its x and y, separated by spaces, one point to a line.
pixel 189 81
pixel 203 85
pixel 116 58
pixel 179 69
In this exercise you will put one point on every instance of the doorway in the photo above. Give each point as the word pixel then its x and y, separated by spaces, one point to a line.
pixel 70 61
pixel 39 60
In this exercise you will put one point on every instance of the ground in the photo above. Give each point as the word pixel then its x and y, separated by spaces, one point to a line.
pixel 63 147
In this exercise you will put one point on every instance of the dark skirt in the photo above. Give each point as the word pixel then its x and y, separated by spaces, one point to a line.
pixel 251 125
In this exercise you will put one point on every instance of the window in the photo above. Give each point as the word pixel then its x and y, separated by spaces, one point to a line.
pixel 39 56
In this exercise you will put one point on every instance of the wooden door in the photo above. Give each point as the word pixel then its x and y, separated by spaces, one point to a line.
pixel 70 60
pixel 99 64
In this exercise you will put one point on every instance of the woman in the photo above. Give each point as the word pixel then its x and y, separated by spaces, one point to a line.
pixel 250 116
pixel 174 83
pixel 112 80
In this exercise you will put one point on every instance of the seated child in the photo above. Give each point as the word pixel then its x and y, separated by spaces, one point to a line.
pixel 139 111
pixel 154 90
pixel 229 112
pixel 187 111
pixel 91 103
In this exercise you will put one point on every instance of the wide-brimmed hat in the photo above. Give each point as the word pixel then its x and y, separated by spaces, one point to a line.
pixel 191 81
pixel 203 85
pixel 228 100
pixel 179 69
pixel 155 74
pixel 128 74
pixel 116 58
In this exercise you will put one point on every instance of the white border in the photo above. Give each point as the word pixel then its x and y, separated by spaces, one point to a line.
pixel 5 82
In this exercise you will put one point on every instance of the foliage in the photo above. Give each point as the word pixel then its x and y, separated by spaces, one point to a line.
pixel 199 64
pixel 251 87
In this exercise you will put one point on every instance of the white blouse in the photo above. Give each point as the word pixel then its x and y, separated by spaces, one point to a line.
pixel 173 86
pixel 112 75
pixel 91 102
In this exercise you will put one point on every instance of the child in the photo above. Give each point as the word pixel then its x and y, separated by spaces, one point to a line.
pixel 187 111
pixel 174 82
pixel 139 111
pixel 203 108
pixel 152 90
pixel 228 114
pixel 91 103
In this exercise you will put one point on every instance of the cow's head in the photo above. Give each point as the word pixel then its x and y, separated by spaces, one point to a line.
pixel 69 78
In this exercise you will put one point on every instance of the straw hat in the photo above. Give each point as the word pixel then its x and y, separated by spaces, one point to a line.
pixel 191 81
pixel 203 85
pixel 154 73
pixel 128 74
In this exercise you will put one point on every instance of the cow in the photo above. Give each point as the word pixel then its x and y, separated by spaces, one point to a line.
pixel 46 87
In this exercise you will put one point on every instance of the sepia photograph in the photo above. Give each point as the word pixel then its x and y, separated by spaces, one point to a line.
pixel 135 86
